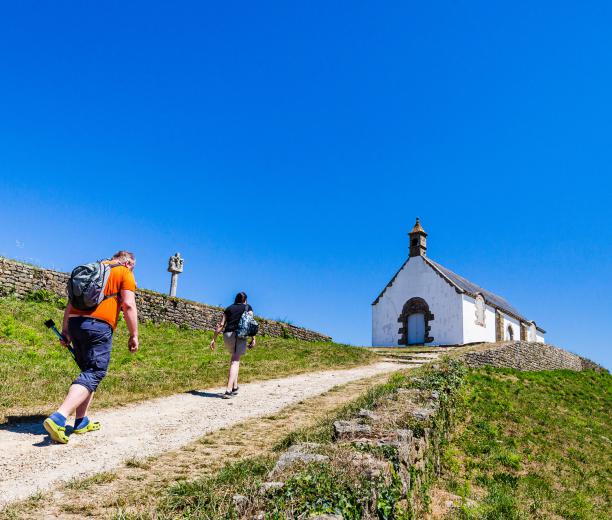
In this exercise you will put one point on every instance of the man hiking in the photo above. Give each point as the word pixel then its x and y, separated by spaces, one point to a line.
pixel 91 335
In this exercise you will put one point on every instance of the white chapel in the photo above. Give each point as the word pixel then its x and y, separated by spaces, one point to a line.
pixel 426 303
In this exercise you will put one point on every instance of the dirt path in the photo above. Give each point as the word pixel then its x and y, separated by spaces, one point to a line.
pixel 29 463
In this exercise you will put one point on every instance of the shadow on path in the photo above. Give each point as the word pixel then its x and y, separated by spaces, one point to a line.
pixel 30 424
pixel 200 393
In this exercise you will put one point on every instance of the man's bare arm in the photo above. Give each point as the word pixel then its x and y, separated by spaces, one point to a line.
pixel 65 332
pixel 130 314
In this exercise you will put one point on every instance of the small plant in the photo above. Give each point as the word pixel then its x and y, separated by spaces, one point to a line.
pixel 45 296
pixel 8 326
pixel 137 463
pixel 285 334
pixel 87 482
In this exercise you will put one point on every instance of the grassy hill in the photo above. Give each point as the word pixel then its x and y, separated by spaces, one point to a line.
pixel 533 445
pixel 35 371
pixel 526 445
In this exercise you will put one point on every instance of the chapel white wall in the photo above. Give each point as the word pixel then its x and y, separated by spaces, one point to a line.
pixel 516 327
pixel 417 279
pixel 473 332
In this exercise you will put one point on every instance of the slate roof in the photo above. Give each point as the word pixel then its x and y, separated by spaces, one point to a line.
pixel 465 286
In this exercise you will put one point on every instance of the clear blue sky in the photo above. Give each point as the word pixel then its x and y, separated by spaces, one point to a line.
pixel 285 149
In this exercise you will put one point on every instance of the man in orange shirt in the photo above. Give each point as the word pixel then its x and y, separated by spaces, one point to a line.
pixel 91 335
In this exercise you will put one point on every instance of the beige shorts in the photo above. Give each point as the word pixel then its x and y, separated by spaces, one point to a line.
pixel 234 344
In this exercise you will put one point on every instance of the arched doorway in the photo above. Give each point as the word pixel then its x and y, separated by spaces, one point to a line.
pixel 510 333
pixel 414 320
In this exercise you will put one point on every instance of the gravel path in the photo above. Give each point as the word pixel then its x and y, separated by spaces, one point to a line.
pixel 29 462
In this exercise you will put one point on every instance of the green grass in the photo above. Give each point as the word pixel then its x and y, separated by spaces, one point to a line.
pixel 35 371
pixel 534 445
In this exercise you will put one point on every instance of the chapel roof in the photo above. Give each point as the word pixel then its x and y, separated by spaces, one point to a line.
pixel 472 289
pixel 463 285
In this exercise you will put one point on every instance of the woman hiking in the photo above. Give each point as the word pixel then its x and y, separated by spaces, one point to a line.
pixel 235 345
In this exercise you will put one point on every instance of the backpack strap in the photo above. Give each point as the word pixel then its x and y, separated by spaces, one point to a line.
pixel 114 295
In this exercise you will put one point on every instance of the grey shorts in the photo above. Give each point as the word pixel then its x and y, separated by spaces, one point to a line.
pixel 234 344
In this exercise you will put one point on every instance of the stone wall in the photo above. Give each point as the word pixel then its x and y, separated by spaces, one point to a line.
pixel 529 356
pixel 380 461
pixel 21 279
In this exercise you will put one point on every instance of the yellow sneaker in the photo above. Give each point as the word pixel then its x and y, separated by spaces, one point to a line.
pixel 91 426
pixel 55 431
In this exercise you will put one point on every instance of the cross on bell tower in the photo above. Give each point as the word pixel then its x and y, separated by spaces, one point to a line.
pixel 418 240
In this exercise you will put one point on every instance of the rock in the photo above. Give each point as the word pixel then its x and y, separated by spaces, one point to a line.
pixel 404 436
pixel 416 454
pixel 453 504
pixel 422 414
pixel 435 395
pixel 368 414
pixel 408 391
pixel 404 445
pixel 343 429
pixel 266 487
pixel 240 503
pixel 370 466
pixel 298 453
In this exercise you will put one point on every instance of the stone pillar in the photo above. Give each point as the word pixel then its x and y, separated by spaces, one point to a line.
pixel 499 326
pixel 175 266
pixel 173 283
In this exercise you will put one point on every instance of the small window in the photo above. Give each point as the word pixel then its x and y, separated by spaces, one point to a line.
pixel 414 242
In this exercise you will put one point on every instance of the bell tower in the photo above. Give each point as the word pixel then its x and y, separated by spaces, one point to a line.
pixel 418 240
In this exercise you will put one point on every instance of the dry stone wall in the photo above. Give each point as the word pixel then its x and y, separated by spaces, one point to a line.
pixel 22 279
pixel 529 356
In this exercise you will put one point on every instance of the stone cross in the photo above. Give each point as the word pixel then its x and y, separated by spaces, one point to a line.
pixel 175 266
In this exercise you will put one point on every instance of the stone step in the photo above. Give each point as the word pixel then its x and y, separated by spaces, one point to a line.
pixel 410 356
pixel 401 362
pixel 413 362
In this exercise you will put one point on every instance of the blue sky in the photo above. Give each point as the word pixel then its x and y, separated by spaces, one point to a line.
pixel 285 149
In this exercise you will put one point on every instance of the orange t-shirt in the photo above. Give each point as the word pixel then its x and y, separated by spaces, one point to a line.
pixel 120 279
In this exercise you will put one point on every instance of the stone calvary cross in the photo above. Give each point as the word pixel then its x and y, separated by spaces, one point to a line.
pixel 175 266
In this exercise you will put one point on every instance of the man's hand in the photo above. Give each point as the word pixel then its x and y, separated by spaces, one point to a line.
pixel 133 343
pixel 252 343
pixel 212 344
pixel 66 335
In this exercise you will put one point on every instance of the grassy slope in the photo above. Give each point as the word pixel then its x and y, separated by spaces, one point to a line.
pixel 35 371
pixel 534 445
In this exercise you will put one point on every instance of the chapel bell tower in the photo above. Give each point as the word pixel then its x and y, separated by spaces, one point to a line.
pixel 418 240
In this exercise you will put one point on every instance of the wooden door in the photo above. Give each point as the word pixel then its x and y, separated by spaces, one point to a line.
pixel 416 329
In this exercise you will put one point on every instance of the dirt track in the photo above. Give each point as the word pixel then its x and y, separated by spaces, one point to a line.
pixel 29 462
